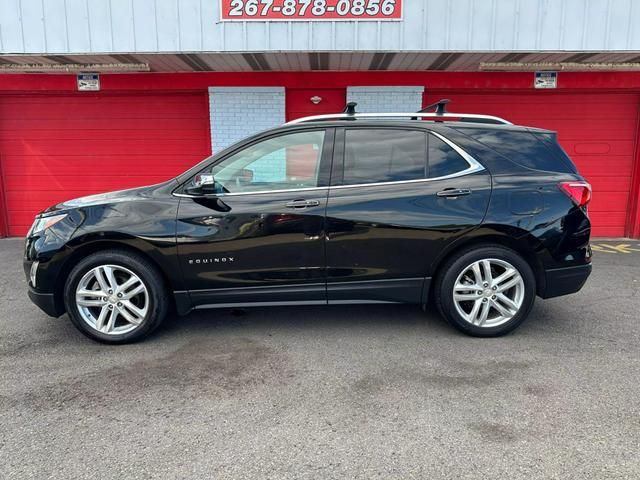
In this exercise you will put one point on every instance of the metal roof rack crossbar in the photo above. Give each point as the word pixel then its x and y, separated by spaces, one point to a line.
pixel 350 108
pixel 440 106
pixel 349 113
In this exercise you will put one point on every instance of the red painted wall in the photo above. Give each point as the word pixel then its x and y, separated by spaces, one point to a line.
pixel 299 104
pixel 200 81
pixel 58 147
pixel 74 135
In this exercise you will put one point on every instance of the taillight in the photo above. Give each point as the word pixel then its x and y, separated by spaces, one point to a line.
pixel 579 192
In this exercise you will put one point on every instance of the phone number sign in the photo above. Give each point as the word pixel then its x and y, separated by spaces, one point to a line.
pixel 310 10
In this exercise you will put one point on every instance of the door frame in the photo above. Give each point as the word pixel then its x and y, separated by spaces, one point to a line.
pixel 632 229
pixel 4 224
pixel 261 295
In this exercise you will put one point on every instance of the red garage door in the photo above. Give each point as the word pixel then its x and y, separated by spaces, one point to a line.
pixel 596 130
pixel 53 148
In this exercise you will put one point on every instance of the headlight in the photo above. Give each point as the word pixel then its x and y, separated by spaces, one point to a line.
pixel 41 224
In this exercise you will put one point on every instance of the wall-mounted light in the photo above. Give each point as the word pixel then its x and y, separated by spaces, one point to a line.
pixel 315 99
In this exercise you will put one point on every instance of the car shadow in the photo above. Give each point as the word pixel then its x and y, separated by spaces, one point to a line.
pixel 331 317
pixel 546 317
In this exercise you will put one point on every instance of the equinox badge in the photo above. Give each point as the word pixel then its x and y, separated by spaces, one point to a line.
pixel 198 261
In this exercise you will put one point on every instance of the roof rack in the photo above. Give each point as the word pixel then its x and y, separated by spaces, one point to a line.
pixel 440 106
pixel 440 114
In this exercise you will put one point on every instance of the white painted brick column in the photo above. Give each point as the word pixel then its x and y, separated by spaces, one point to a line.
pixel 386 99
pixel 237 112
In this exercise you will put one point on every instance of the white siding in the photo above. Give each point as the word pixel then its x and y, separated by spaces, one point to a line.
pixel 120 26
pixel 237 112
pixel 386 99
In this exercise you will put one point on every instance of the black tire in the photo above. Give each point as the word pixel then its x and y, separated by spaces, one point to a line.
pixel 158 303
pixel 454 266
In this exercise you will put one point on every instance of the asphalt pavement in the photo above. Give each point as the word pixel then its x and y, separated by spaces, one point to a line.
pixel 328 392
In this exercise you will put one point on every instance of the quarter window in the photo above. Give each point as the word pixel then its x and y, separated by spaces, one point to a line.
pixel 536 151
pixel 279 163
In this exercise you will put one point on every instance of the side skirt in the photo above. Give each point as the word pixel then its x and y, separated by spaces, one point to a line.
pixel 301 294
pixel 401 290
pixel 396 290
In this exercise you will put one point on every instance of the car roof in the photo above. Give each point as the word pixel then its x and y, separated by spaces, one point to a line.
pixel 404 123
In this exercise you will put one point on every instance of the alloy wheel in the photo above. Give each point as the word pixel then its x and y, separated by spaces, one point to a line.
pixel 489 292
pixel 112 299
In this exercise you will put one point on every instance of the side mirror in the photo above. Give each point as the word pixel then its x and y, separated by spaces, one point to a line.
pixel 245 176
pixel 203 184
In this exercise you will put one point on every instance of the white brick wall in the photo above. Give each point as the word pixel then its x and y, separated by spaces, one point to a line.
pixel 237 112
pixel 386 99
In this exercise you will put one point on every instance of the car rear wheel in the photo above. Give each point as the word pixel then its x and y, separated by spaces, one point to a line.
pixel 486 291
pixel 115 297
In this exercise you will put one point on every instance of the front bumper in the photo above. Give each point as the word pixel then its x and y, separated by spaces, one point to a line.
pixel 564 281
pixel 46 302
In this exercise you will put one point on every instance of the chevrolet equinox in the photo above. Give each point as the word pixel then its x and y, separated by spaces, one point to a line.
pixel 468 211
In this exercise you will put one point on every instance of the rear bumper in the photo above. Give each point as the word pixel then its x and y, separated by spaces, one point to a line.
pixel 564 281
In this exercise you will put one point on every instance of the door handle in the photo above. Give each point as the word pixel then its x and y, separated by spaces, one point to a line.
pixel 453 192
pixel 302 203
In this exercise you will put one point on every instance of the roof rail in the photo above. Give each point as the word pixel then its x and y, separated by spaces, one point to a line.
pixel 349 113
pixel 468 117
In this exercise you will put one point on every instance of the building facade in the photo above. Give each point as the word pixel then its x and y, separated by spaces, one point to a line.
pixel 100 95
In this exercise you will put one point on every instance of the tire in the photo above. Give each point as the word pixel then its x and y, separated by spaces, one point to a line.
pixel 128 312
pixel 466 311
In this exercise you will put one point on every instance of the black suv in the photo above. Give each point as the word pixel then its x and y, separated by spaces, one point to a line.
pixel 468 211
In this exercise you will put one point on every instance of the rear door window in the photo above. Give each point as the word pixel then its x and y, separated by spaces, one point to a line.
pixel 392 155
pixel 443 159
pixel 384 155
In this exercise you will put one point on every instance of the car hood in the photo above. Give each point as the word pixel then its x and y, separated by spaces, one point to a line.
pixel 117 196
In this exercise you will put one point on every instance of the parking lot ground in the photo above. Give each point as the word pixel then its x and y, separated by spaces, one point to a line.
pixel 328 392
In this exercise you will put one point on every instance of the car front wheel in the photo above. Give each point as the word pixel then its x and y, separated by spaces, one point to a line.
pixel 486 291
pixel 115 297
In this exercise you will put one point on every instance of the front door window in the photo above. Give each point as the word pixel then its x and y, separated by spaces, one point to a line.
pixel 279 163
